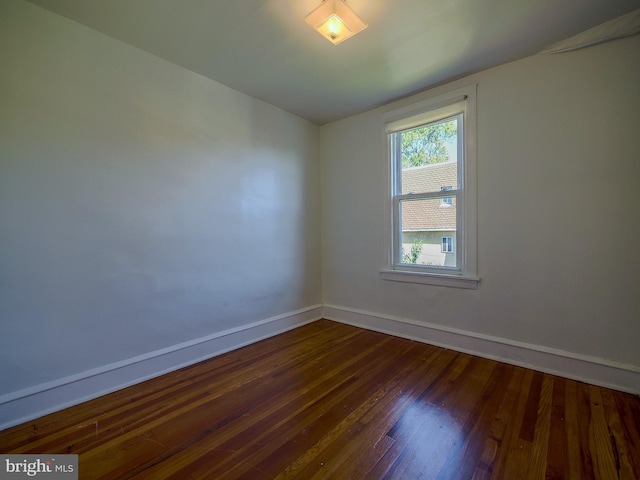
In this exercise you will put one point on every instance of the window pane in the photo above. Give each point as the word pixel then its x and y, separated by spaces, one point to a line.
pixel 429 157
pixel 447 244
pixel 424 225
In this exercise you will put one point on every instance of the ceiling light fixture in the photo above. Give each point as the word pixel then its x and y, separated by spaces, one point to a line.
pixel 335 21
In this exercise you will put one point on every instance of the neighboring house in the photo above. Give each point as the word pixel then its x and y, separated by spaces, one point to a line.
pixel 430 223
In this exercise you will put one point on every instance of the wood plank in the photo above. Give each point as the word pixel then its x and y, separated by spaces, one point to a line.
pixel 332 401
pixel 629 412
pixel 540 446
pixel 619 446
pixel 503 426
pixel 574 461
pixel 605 461
pixel 517 451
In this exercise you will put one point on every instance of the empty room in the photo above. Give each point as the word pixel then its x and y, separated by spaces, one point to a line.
pixel 315 239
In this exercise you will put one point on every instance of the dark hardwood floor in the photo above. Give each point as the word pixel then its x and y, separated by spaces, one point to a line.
pixel 331 401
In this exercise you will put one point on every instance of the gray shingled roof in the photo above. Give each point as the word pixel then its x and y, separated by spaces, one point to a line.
pixel 429 214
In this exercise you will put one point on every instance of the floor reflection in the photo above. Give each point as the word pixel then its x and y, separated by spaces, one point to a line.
pixel 430 436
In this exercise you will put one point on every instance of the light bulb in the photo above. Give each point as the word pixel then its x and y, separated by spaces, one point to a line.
pixel 333 25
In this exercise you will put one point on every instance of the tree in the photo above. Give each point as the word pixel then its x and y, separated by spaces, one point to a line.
pixel 427 145
pixel 416 248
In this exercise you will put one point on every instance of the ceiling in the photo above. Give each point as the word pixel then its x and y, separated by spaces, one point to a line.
pixel 265 49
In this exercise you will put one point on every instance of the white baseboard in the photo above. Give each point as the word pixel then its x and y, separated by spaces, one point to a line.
pixel 584 368
pixel 28 404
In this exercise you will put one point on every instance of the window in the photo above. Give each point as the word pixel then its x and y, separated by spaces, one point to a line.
pixel 446 201
pixel 433 193
pixel 447 245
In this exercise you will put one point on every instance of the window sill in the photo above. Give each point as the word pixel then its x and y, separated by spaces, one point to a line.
pixel 455 281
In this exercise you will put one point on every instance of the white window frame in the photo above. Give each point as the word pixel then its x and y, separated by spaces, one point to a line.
pixel 461 101
pixel 447 244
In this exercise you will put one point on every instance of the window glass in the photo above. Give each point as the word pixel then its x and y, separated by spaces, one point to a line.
pixel 429 145
pixel 424 222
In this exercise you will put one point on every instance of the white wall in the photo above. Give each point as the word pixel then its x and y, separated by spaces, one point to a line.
pixel 141 205
pixel 559 223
